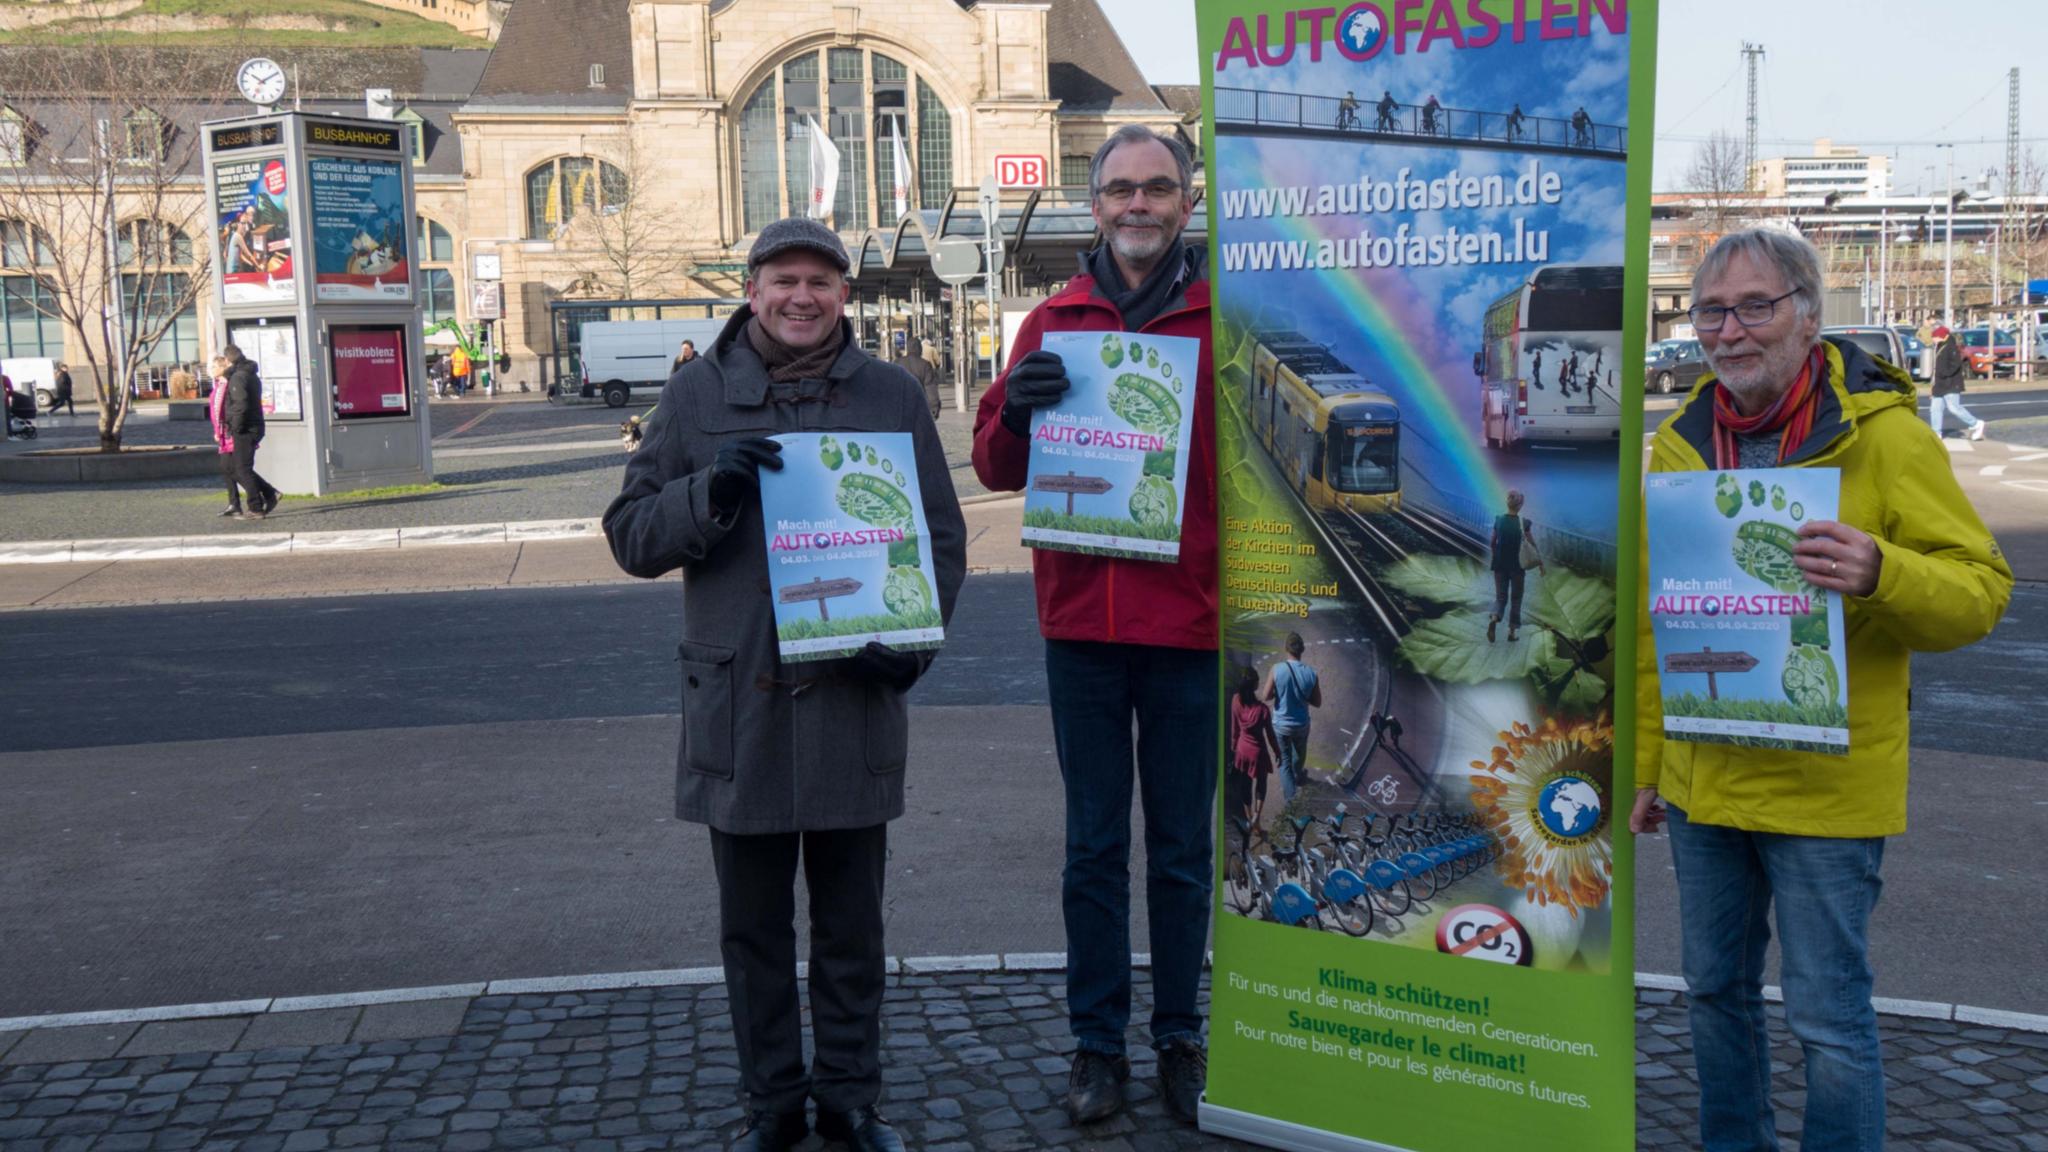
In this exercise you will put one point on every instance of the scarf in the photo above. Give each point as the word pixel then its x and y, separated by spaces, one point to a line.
pixel 787 365
pixel 1791 415
pixel 1142 304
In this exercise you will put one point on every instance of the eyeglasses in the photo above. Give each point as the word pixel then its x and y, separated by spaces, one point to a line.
pixel 1749 313
pixel 1121 191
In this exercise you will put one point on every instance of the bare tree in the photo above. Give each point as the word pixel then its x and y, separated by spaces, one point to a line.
pixel 1719 178
pixel 629 244
pixel 102 201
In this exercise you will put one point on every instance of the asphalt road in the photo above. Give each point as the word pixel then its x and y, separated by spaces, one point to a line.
pixel 208 802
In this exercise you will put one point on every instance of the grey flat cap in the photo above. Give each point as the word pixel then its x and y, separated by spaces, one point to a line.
pixel 793 233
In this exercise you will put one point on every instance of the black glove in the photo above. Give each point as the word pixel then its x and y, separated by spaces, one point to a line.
pixel 734 472
pixel 886 666
pixel 1039 380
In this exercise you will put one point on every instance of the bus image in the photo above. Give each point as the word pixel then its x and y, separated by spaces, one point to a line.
pixel 1335 437
pixel 1549 364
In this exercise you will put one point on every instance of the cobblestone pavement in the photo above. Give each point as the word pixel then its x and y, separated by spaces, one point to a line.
pixel 973 1062
pixel 487 463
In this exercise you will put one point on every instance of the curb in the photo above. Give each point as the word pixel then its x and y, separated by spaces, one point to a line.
pixel 895 966
pixel 284 543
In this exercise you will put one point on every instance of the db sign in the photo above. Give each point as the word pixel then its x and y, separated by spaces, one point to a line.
pixel 1021 171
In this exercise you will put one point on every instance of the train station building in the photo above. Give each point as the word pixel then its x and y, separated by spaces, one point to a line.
pixel 613 150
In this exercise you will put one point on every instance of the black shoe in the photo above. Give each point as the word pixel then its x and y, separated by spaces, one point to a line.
pixel 771 1132
pixel 1183 1073
pixel 862 1129
pixel 1095 1087
pixel 270 502
pixel 253 513
pixel 232 510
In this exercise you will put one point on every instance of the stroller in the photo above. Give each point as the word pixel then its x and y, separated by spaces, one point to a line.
pixel 21 415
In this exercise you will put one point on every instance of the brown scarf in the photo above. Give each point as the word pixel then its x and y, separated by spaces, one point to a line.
pixel 787 365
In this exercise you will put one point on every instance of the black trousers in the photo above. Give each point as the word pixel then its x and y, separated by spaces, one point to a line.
pixel 258 489
pixel 229 470
pixel 757 941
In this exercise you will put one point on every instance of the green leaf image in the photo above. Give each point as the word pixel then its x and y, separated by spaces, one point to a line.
pixel 1756 493
pixel 1764 550
pixel 1152 358
pixel 853 450
pixel 1145 404
pixel 1584 692
pixel 1578 606
pixel 1812 628
pixel 900 481
pixel 1810 680
pixel 903 553
pixel 870 457
pixel 1112 351
pixel 1728 495
pixel 1159 463
pixel 1443 580
pixel 871 500
pixel 1137 351
pixel 904 591
pixel 1777 497
pixel 1152 501
pixel 828 451
pixel 1453 648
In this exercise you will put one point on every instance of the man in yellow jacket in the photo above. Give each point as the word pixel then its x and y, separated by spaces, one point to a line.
pixel 1750 827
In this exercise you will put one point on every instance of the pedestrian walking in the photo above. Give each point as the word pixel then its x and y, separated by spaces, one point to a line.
pixel 1513 553
pixel 1950 373
pixel 765 760
pixel 1292 688
pixel 1582 127
pixel 1128 641
pixel 1514 131
pixel 242 412
pixel 911 359
pixel 60 392
pixel 1253 749
pixel 1758 831
pixel 224 440
pixel 684 355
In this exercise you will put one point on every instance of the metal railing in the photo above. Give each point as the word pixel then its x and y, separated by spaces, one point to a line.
pixel 1369 118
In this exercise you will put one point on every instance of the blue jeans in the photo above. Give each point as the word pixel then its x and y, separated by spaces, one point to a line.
pixel 1293 765
pixel 1954 403
pixel 1824 890
pixel 1096 690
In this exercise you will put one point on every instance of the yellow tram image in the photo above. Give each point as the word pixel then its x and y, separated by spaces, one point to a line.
pixel 1335 438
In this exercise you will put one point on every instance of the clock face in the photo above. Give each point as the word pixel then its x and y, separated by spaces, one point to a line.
pixel 261 81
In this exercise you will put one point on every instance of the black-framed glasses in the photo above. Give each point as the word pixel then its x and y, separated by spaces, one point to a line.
pixel 1749 313
pixel 1121 191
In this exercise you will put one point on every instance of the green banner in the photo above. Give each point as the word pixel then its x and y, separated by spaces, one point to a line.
pixel 1429 229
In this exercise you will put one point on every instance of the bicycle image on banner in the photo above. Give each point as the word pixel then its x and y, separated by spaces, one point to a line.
pixel 1418 370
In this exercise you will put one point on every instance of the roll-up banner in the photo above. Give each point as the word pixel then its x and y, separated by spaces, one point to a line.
pixel 1429 223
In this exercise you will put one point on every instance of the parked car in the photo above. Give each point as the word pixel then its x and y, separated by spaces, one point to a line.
pixel 1920 364
pixel 1876 339
pixel 1987 354
pixel 1674 366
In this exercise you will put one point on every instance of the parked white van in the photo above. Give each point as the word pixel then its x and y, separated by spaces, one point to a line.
pixel 37 374
pixel 621 355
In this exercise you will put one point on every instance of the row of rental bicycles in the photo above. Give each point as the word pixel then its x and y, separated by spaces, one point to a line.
pixel 1364 867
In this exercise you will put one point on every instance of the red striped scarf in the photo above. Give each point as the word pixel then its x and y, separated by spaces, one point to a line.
pixel 1791 415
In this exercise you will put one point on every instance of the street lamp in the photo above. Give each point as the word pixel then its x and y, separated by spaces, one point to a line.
pixel 469 278
pixel 1948 246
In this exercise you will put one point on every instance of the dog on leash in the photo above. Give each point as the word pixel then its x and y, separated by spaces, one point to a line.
pixel 630 434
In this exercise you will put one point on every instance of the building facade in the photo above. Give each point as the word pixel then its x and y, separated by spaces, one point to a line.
pixel 1832 169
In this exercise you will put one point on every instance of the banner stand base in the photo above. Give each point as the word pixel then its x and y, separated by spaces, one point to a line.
pixel 1281 1133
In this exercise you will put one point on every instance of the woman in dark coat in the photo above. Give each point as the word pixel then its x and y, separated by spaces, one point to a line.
pixel 1949 374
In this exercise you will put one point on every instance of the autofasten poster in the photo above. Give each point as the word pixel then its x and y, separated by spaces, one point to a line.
pixel 254 227
pixel 368 371
pixel 1748 652
pixel 359 230
pixel 849 554
pixel 1427 226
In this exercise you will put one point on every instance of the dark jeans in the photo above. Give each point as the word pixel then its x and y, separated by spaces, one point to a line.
pixel 1823 890
pixel 258 489
pixel 229 470
pixel 757 941
pixel 1507 594
pixel 1097 690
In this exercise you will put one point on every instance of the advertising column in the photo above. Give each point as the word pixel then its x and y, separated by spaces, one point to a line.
pixel 1429 234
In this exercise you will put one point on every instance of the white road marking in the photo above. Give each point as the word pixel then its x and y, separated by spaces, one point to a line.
pixel 2040 486
pixel 1992 470
pixel 2030 457
pixel 1958 445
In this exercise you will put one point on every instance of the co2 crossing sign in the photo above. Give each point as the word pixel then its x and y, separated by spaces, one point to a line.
pixel 1022 172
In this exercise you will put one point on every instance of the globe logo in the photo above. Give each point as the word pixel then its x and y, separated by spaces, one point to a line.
pixel 1362 30
pixel 1569 807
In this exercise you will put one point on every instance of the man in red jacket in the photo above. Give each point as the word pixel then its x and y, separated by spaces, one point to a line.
pixel 1128 639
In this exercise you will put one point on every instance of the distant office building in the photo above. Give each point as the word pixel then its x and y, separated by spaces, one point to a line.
pixel 1832 168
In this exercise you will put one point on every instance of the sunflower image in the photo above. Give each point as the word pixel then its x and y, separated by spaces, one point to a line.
pixel 1547 795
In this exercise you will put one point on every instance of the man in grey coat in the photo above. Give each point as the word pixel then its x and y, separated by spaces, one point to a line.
pixel 785 762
